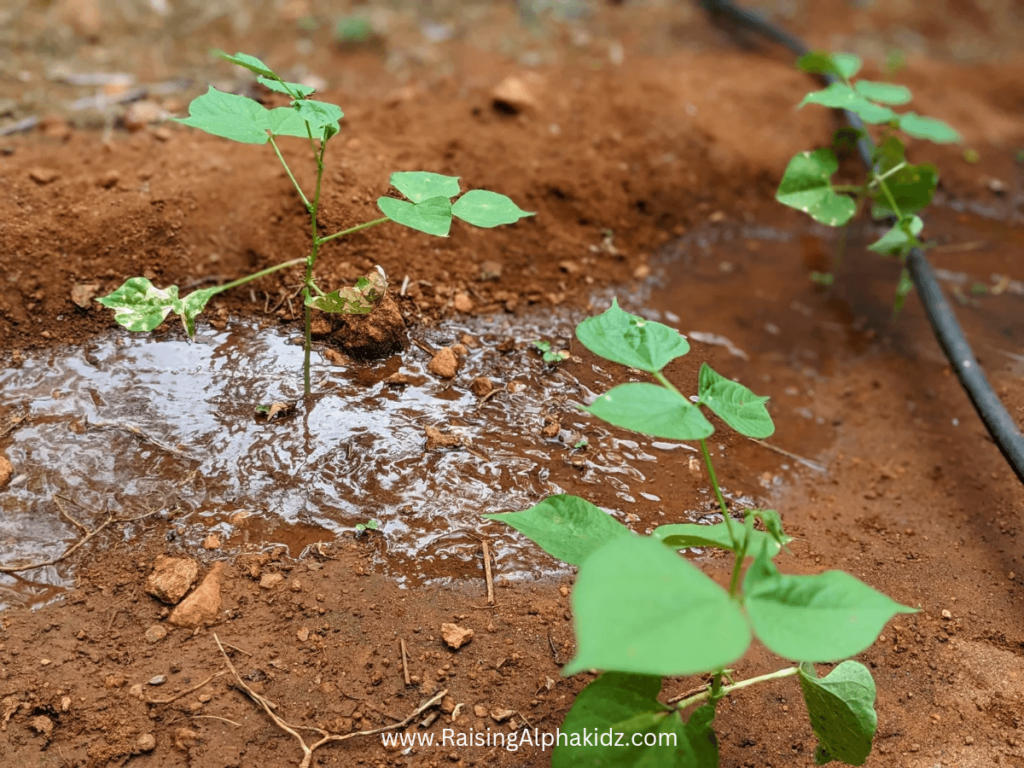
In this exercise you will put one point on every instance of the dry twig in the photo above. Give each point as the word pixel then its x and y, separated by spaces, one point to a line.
pixel 326 737
pixel 487 571
pixel 405 662
pixel 193 689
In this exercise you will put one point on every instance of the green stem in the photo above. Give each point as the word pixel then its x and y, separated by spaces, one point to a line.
pixel 889 196
pixel 728 689
pixel 289 172
pixel 350 230
pixel 258 275
pixel 310 262
pixel 890 172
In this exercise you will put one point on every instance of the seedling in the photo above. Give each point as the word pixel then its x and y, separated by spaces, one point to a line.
pixel 140 306
pixel 642 612
pixel 549 356
pixel 369 525
pixel 894 187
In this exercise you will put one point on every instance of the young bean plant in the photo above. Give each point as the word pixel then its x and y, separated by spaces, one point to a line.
pixel 140 306
pixel 895 188
pixel 642 612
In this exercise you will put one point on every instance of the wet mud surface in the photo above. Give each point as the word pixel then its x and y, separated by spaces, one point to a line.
pixel 652 179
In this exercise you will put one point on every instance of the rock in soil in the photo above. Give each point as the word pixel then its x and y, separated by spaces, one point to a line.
pixel 146 743
pixel 444 364
pixel 172 578
pixel 462 303
pixel 212 542
pixel 270 580
pixel 455 636
pixel 42 725
pixel 43 175
pixel 438 439
pixel 370 337
pixel 203 605
pixel 143 113
pixel 82 294
pixel 155 634
pixel 481 386
pixel 6 470
pixel 513 95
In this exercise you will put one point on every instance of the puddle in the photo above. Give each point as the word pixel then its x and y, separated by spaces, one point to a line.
pixel 135 424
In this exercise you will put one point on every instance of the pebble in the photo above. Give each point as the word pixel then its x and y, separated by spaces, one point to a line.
pixel 946 614
pixel 501 715
pixel 444 364
pixel 155 634
pixel 157 680
pixel 82 294
pixel 109 180
pixel 172 578
pixel 481 386
pixel 455 636
pixel 480 710
pixel 146 742
pixel 513 95
pixel 6 471
pixel 462 303
pixel 43 175
pixel 65 704
pixel 141 113
pixel 203 605
pixel 303 634
pixel 270 580
pixel 212 542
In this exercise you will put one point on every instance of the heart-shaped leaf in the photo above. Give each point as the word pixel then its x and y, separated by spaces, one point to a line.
pixel 734 404
pixel 807 186
pixel 844 65
pixel 652 410
pixel 482 208
pixel 433 216
pixel 229 116
pixel 319 115
pixel 912 188
pixel 424 185
pixel 841 706
pixel 630 340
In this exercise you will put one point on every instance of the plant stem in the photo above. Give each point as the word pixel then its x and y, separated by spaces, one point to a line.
pixel 727 689
pixel 310 262
pixel 890 172
pixel 257 275
pixel 288 170
pixel 889 196
pixel 350 230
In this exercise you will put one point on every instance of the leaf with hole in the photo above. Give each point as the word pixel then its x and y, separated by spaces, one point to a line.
pixel 424 185
pixel 827 617
pixel 928 128
pixel 433 216
pixel 361 299
pixel 568 528
pixel 630 340
pixel 841 706
pixel 641 608
pixel 483 208
pixel 734 404
pixel 885 93
pixel 618 703
pixel 686 535
pixel 807 186
pixel 651 410
pixel 842 96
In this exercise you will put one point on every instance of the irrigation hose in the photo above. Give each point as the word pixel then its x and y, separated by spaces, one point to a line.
pixel 950 335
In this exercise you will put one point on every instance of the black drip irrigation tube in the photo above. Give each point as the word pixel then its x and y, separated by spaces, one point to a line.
pixel 950 335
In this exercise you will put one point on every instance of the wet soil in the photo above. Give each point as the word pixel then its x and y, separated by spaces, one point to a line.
pixel 652 167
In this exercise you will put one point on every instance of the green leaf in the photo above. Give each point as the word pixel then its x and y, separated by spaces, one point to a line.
pixel 641 608
pixel 568 528
pixel 896 241
pixel 734 404
pixel 362 299
pixel 319 115
pixel 249 62
pixel 140 306
pixel 624 704
pixel 807 186
pixel 630 340
pixel 903 288
pixel 286 121
pixel 483 208
pixel 826 617
pixel 773 525
pixel 842 96
pixel 651 410
pixel 423 185
pixel 912 187
pixel 433 216
pixel 291 89
pixel 844 65
pixel 886 93
pixel 686 535
pixel 229 116
pixel 929 128
pixel 841 706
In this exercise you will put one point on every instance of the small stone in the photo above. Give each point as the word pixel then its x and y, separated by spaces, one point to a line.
pixel 172 578
pixel 212 542
pixel 551 428
pixel 513 95
pixel 136 692
pixel 185 738
pixel 203 605
pixel 642 272
pixel 45 662
pixel 65 704
pixel 334 357
pixel 6 471
pixel 43 175
pixel 480 710
pixel 490 270
pixel 946 614
pixel 82 294
pixel 296 585
pixel 460 350
pixel 140 114
pixel 303 634
pixel 42 725
pixel 481 386
pixel 445 364
pixel 438 439
pixel 563 591
pixel 109 180
pixel 162 134
pixel 468 341
pixel 397 380
pixel 270 580
pixel 455 636
pixel 146 742
pixel 114 681
pixel 462 303
pixel 501 715
pixel 157 680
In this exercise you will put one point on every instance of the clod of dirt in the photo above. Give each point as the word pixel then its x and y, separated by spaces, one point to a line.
pixel 481 386
pixel 468 341
pixel 370 337
pixel 42 725
pixel 302 634
pixel 212 542
pixel 137 692
pixel 438 439
pixel 444 364
pixel 501 715
pixel 270 580
pixel 143 113
pixel 108 180
pixel 462 303
pixel 490 270
pixel 6 470
pixel 460 350
pixel 146 742
pixel 320 326
pixel 43 175
pixel 185 739
pixel 551 427
pixel 397 379
pixel 334 357
pixel 155 634
pixel 203 605
pixel 65 704
pixel 455 636
pixel 82 294
pixel 172 578
pixel 480 710
pixel 512 96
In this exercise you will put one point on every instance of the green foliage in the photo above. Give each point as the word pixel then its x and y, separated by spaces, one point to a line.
pixel 928 128
pixel 140 306
pixel 842 96
pixel 482 208
pixel 549 355
pixel 807 186
pixel 898 240
pixel 642 612
pixel 367 294
pixel 433 216
pixel 369 525
pixel 884 93
pixel 841 706
pixel 241 119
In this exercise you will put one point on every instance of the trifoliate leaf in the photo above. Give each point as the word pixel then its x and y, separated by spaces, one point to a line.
pixel 483 208
pixel 362 299
pixel 807 186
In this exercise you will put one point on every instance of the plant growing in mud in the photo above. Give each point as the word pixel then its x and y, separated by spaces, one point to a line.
pixel 894 187
pixel 140 306
pixel 642 612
